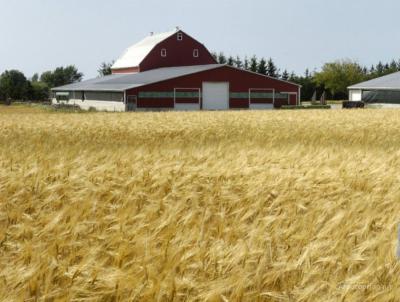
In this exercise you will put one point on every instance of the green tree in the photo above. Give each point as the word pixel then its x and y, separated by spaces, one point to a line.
pixel 272 70
pixel 285 75
pixel 215 56
pixel 14 85
pixel 221 58
pixel 393 66
pixel 238 62
pixel 61 76
pixel 253 66
pixel 231 61
pixel 35 77
pixel 262 66
pixel 39 91
pixel 105 69
pixel 337 76
pixel 380 69
pixel 246 63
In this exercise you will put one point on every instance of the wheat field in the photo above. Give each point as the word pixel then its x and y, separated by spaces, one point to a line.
pixel 199 206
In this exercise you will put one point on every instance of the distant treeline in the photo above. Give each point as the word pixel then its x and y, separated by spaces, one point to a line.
pixel 15 86
pixel 334 77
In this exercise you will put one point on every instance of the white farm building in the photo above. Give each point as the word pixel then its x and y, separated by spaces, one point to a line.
pixel 383 91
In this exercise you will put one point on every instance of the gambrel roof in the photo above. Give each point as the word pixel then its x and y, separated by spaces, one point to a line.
pixel 135 54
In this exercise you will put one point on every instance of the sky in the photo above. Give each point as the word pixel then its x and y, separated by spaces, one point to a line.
pixel 40 35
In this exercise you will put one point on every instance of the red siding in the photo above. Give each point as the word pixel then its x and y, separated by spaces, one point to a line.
pixel 239 80
pixel 179 53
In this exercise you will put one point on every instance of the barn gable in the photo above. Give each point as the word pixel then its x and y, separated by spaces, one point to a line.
pixel 170 49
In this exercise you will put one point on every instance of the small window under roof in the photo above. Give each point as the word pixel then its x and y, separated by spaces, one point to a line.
pixel 163 52
pixel 180 36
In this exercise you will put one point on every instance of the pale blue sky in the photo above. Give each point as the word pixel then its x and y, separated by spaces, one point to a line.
pixel 38 35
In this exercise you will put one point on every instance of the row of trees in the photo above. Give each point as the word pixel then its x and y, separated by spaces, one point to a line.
pixel 334 77
pixel 15 86
pixel 253 64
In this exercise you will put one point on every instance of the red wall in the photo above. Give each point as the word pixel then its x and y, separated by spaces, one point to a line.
pixel 179 53
pixel 240 81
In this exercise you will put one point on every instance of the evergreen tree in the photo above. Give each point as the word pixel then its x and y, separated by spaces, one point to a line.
pixel 262 66
pixel 393 66
pixel 221 58
pixel 307 74
pixel 215 56
pixel 292 77
pixel 365 70
pixel 380 69
pixel 253 64
pixel 246 63
pixel 272 70
pixel 238 62
pixel 231 61
pixel 285 75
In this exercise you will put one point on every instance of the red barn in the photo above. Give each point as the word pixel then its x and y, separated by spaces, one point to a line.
pixel 174 71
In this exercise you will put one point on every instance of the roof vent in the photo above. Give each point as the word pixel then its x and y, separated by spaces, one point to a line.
pixel 151 33
pixel 177 28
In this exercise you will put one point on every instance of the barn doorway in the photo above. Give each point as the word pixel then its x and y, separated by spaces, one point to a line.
pixel 215 95
pixel 131 103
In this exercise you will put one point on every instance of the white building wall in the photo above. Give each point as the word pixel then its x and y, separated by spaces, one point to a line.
pixel 355 95
pixel 98 105
pixel 383 106
pixel 97 100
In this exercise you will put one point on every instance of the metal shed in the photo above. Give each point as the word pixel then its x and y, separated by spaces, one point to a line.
pixel 383 90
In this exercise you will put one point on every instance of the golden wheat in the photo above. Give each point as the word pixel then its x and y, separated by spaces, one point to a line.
pixel 217 206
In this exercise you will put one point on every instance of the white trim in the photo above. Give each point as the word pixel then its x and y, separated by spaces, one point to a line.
pixel 299 97
pixel 263 89
pixel 164 52
pixel 179 36
pixel 177 88
pixel 195 53
pixel 374 88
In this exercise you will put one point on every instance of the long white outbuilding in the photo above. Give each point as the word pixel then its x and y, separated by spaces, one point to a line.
pixel 384 91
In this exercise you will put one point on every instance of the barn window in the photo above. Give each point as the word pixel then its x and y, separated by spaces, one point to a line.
pixel 180 36
pixel 195 53
pixel 163 52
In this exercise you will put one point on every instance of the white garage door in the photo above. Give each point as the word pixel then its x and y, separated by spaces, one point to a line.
pixel 355 95
pixel 216 96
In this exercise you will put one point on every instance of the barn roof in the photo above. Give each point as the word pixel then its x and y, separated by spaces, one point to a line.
pixel 122 82
pixel 388 82
pixel 135 54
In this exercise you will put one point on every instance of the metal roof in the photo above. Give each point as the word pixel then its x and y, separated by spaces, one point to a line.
pixel 388 82
pixel 135 54
pixel 122 82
